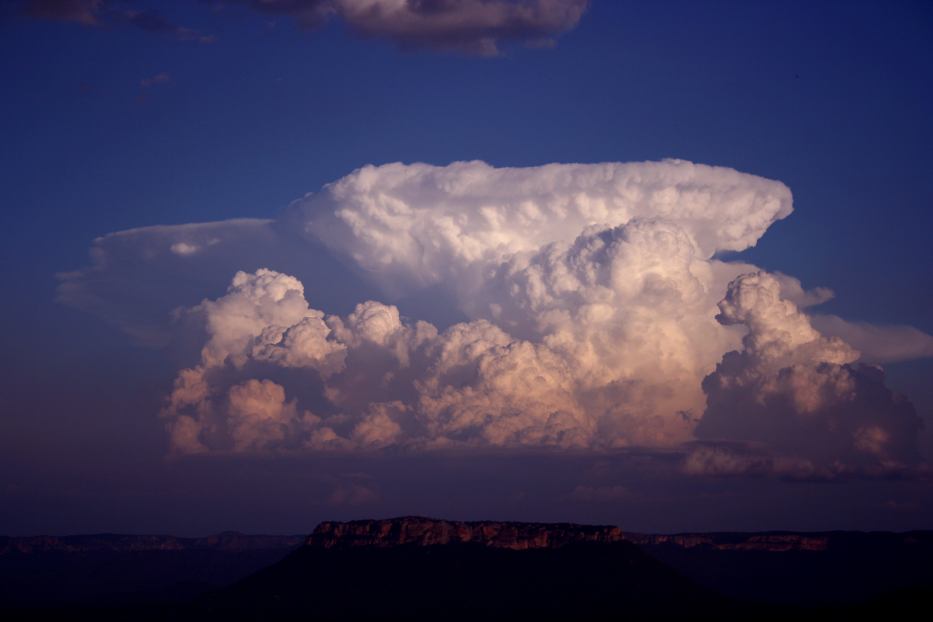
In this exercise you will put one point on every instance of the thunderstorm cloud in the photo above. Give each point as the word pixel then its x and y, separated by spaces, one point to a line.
pixel 586 308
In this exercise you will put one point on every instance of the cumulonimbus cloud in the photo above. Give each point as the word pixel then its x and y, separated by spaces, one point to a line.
pixel 594 314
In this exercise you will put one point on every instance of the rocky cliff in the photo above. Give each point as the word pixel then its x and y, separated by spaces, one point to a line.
pixel 416 530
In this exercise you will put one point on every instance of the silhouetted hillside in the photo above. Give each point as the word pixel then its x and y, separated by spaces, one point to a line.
pixel 110 568
pixel 422 568
pixel 466 581
pixel 831 568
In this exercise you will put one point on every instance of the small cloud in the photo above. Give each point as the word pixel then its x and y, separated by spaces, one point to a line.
pixel 80 11
pixel 354 492
pixel 155 22
pixel 792 290
pixel 102 12
pixel 184 249
pixel 733 460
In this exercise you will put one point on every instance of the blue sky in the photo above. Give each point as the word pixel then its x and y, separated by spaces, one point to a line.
pixel 831 98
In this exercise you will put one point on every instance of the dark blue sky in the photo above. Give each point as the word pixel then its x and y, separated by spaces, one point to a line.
pixel 835 99
pixel 831 98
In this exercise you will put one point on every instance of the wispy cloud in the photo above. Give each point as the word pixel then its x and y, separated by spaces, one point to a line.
pixel 109 13
pixel 85 12
pixel 155 22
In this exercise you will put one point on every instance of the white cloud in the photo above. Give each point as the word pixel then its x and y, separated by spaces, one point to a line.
pixel 184 248
pixel 878 343
pixel 793 290
pixel 138 279
pixel 389 382
pixel 139 276
pixel 408 226
pixel 598 315
pixel 247 317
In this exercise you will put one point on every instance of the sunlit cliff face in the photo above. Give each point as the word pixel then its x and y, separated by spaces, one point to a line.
pixel 598 316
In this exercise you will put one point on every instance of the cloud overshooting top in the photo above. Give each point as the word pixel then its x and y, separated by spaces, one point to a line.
pixel 593 313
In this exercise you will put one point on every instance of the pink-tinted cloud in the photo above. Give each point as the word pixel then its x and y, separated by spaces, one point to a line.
pixel 470 26
pixel 594 315
pixel 86 12
pixel 800 394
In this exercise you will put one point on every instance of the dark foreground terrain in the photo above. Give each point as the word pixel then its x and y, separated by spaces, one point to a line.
pixel 418 568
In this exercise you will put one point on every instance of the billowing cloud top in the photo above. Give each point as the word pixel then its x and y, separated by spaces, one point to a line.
pixel 594 314
pixel 414 225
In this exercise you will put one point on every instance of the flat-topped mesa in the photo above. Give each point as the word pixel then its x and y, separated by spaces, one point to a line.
pixel 416 530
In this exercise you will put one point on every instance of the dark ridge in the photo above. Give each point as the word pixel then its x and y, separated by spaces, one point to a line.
pixel 50 571
pixel 829 568
pixel 421 568
pixel 465 581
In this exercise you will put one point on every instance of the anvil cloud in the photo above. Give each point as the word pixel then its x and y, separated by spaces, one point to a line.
pixel 593 313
